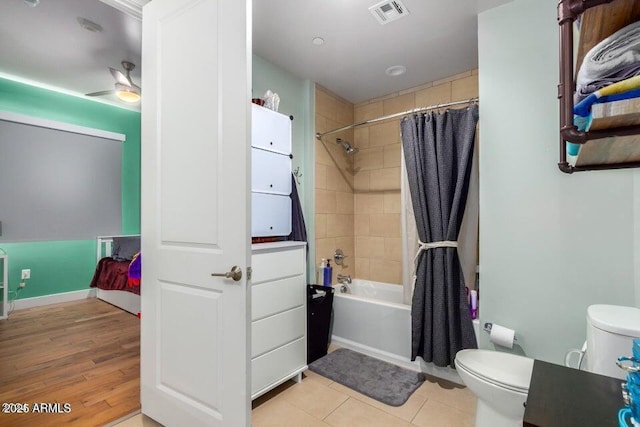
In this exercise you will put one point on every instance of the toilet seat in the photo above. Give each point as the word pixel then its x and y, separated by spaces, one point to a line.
pixel 504 370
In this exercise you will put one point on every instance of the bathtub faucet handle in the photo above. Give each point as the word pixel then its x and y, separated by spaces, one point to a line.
pixel 339 256
pixel 344 279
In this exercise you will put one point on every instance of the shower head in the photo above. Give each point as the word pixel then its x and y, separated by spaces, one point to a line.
pixel 351 151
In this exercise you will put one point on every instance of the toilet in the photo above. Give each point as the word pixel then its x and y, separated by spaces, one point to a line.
pixel 610 333
pixel 500 381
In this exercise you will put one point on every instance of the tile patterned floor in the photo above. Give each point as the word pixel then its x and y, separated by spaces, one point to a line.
pixel 318 401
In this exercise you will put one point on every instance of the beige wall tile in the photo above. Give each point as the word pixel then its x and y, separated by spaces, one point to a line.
pixel 384 134
pixel 433 95
pixel 362 268
pixel 385 225
pixel 361 224
pixel 368 111
pixel 325 201
pixel 339 225
pixel 464 88
pixel 385 179
pixel 361 136
pixel 474 71
pixel 321 226
pixel 392 155
pixel 452 78
pixel 326 105
pixel 321 124
pixel 392 202
pixel 369 158
pixel 336 179
pixel 383 270
pixel 415 88
pixel 393 248
pixel 321 177
pixel 399 103
pixel 370 247
pixel 322 155
pixel 324 249
pixel 369 203
pixel 344 112
pixel 344 204
pixel 361 181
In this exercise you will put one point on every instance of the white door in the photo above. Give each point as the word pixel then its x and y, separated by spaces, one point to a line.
pixel 196 212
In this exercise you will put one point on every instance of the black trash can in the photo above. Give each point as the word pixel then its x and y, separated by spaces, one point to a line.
pixel 319 306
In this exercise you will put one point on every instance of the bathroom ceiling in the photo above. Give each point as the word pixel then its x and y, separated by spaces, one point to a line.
pixel 45 44
pixel 438 38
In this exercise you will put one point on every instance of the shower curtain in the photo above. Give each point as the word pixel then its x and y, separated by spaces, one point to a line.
pixel 438 153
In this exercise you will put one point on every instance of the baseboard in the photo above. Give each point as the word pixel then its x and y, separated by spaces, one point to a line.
pixel 448 374
pixel 21 304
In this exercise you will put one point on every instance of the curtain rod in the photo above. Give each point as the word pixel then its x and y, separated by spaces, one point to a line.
pixel 392 116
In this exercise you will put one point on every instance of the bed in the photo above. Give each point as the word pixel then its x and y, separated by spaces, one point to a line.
pixel 114 255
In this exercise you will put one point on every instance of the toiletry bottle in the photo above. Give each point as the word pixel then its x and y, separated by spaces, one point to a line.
pixel 321 271
pixel 474 304
pixel 328 273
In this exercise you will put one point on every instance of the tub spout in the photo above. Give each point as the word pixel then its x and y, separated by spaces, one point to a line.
pixel 344 279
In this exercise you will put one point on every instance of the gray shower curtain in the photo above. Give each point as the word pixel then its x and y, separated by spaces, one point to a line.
pixel 438 150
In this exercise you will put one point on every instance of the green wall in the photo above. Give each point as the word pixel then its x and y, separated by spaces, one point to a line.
pixel 63 266
pixel 551 244
pixel 296 99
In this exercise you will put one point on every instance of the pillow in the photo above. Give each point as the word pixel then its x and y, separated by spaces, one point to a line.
pixel 124 248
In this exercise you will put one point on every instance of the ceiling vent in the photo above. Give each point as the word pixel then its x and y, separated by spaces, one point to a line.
pixel 388 11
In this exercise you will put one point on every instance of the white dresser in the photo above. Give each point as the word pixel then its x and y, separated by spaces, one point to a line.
pixel 270 173
pixel 278 314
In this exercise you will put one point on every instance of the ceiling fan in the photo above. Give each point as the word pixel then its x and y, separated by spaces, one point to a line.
pixel 124 87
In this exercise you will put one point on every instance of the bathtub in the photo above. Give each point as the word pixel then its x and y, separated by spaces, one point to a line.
pixel 371 319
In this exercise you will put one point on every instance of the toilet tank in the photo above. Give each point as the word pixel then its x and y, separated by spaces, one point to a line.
pixel 610 332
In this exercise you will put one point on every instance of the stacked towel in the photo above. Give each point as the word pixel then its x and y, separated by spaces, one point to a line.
pixel 614 59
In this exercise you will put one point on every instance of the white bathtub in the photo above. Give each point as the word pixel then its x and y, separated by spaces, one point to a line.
pixel 371 319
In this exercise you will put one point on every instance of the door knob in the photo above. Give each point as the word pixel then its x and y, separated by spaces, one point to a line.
pixel 235 273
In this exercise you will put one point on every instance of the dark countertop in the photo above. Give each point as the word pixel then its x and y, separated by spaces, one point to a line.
pixel 566 397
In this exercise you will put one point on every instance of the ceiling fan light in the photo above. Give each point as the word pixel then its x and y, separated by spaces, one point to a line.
pixel 128 96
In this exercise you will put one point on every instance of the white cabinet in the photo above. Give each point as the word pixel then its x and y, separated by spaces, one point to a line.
pixel 270 173
pixel 4 285
pixel 278 314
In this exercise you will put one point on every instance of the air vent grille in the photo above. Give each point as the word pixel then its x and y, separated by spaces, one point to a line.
pixel 388 11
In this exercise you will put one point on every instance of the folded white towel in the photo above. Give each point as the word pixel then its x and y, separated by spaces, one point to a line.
pixel 618 51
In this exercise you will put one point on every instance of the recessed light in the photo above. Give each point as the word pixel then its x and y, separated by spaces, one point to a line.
pixel 31 3
pixel 318 41
pixel 89 25
pixel 396 70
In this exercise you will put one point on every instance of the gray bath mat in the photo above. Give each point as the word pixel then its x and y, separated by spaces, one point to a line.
pixel 375 378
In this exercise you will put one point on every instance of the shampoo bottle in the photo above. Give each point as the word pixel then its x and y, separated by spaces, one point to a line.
pixel 321 271
pixel 328 273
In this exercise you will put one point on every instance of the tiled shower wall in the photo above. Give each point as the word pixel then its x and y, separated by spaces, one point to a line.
pixel 334 182
pixel 358 198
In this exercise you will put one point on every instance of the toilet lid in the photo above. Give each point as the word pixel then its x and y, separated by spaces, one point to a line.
pixel 502 369
pixel 615 319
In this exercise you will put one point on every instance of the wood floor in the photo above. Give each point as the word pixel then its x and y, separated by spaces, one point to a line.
pixel 85 354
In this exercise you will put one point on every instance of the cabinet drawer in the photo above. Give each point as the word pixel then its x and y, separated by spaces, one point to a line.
pixel 269 298
pixel 270 215
pixel 270 130
pixel 277 364
pixel 270 172
pixel 276 331
pixel 277 264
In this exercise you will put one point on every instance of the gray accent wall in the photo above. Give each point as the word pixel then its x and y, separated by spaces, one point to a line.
pixel 551 244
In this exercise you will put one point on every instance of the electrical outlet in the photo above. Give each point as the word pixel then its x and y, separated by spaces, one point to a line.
pixel 26 274
pixel 22 284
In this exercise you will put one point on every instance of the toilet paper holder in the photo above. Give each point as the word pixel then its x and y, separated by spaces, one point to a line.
pixel 487 328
